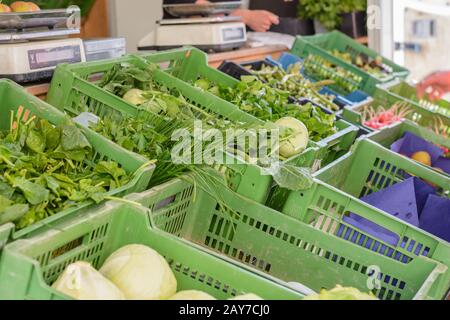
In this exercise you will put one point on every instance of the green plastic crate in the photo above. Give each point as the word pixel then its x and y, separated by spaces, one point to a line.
pixel 381 99
pixel 400 88
pixel 320 45
pixel 283 247
pixel 389 135
pixel 12 96
pixel 30 265
pixel 189 64
pixel 73 88
pixel 336 193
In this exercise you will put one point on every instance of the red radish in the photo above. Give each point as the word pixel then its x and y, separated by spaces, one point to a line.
pixel 380 118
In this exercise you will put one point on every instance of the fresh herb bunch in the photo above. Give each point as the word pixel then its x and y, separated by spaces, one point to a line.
pixel 375 67
pixel 147 136
pixel 344 82
pixel 270 104
pixel 47 169
pixel 329 12
pixel 296 84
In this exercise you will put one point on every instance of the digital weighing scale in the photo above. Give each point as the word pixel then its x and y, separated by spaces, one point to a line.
pixel 32 44
pixel 198 25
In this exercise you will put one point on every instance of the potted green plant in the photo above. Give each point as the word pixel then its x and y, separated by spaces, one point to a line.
pixel 349 16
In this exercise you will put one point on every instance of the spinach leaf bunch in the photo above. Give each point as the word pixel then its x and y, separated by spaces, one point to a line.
pixel 46 169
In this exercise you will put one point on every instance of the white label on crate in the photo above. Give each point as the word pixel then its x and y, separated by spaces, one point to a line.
pixel 86 118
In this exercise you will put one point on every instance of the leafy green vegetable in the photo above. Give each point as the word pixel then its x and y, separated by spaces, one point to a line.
pixel 267 103
pixel 34 193
pixel 296 84
pixel 47 169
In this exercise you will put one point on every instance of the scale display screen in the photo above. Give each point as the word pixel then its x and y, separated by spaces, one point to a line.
pixel 51 57
pixel 233 34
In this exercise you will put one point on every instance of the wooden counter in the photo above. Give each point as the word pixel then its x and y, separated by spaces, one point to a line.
pixel 246 54
pixel 38 90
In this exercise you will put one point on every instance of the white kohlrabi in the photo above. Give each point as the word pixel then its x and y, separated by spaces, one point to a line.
pixel 298 137
pixel 140 273
pixel 81 281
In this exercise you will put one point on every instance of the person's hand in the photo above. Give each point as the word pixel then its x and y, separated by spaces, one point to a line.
pixel 435 86
pixel 258 20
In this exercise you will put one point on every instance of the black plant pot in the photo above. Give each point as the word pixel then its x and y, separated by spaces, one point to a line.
pixel 354 24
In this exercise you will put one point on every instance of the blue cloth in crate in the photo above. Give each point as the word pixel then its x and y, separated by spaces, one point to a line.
pixel 413 201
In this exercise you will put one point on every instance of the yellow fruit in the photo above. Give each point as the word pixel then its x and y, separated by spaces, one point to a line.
pixel 4 8
pixel 23 6
pixel 422 157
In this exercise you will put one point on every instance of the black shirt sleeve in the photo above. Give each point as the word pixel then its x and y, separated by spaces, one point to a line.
pixel 282 8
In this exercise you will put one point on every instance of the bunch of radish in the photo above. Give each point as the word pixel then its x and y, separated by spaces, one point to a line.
pixel 380 118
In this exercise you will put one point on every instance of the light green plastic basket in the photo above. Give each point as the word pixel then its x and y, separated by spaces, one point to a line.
pixel 383 100
pixel 12 96
pixel 29 266
pixel 400 88
pixel 286 248
pixel 391 134
pixel 321 44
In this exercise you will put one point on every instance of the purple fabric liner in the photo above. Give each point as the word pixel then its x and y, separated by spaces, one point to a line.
pixel 408 201
pixel 443 163
pixel 403 200
pixel 410 144
pixel 435 217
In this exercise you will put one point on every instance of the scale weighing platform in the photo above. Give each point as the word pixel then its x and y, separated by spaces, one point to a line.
pixel 204 26
pixel 32 44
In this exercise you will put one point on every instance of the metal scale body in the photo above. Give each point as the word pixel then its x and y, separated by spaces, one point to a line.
pixel 32 44
pixel 204 26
